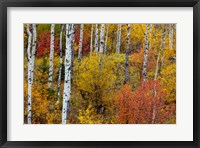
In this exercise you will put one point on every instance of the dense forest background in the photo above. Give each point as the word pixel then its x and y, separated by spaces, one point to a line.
pixel 100 73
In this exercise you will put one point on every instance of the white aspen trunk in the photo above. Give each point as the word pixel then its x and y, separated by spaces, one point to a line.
pixel 96 38
pixel 80 43
pixel 105 50
pixel 33 51
pixel 29 73
pixel 51 57
pixel 31 61
pixel 60 69
pixel 102 38
pixel 163 46
pixel 146 50
pixel 101 46
pixel 118 39
pixel 171 36
pixel 127 54
pixel 92 28
pixel 67 81
pixel 155 91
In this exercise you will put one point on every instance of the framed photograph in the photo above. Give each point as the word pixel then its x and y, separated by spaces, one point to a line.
pixel 99 73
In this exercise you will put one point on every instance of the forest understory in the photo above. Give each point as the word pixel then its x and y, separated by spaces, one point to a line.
pixel 100 74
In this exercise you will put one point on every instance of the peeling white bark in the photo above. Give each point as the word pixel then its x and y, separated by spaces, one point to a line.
pixel 33 51
pixel 146 50
pixel 29 73
pixel 60 69
pixel 118 38
pixel 102 38
pixel 92 28
pixel 80 43
pixel 50 85
pixel 96 38
pixel 31 61
pixel 67 81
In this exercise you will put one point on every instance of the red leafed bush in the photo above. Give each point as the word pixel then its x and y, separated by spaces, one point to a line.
pixel 86 40
pixel 137 107
pixel 43 44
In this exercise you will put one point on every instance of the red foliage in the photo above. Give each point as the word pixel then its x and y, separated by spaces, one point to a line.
pixel 43 44
pixel 137 107
pixel 86 40
pixel 138 57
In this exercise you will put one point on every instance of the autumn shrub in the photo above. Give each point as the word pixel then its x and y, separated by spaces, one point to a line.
pixel 89 116
pixel 93 82
pixel 44 107
pixel 168 82
pixel 137 107
pixel 43 43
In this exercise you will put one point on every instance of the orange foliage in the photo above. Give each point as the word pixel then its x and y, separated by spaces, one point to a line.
pixel 137 107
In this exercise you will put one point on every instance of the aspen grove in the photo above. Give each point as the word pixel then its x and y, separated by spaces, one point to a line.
pixel 99 73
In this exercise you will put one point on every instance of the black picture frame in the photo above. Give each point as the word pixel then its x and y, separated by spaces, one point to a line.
pixel 4 4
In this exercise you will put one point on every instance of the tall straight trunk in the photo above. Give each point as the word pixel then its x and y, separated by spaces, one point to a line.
pixel 155 91
pixel 29 73
pixel 80 43
pixel 127 54
pixel 146 50
pixel 31 61
pixel 33 51
pixel 96 38
pixel 101 44
pixel 171 36
pixel 102 38
pixel 60 69
pixel 51 57
pixel 118 38
pixel 67 81
pixel 106 41
pixel 92 28
pixel 163 46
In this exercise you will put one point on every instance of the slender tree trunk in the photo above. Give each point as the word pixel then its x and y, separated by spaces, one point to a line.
pixel 60 69
pixel 31 61
pixel 51 57
pixel 171 36
pixel 163 46
pixel 146 50
pixel 155 91
pixel 118 38
pixel 127 54
pixel 96 39
pixel 67 81
pixel 106 39
pixel 33 51
pixel 92 28
pixel 101 44
pixel 29 73
pixel 102 38
pixel 80 43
